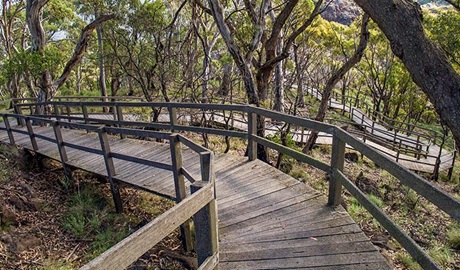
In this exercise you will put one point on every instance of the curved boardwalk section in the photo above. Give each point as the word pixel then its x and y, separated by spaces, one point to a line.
pixel 267 219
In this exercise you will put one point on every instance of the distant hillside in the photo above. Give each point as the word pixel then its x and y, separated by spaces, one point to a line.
pixel 342 11
pixel 346 11
pixel 439 2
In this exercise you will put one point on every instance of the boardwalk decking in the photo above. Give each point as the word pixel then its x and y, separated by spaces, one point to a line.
pixel 267 219
pixel 418 163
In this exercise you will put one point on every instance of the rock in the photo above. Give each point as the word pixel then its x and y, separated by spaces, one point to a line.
pixel 6 238
pixel 27 189
pixel 341 11
pixel 352 156
pixel 366 185
pixel 24 242
pixel 7 216
pixel 22 203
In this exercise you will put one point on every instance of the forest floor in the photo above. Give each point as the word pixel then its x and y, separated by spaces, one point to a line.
pixel 49 223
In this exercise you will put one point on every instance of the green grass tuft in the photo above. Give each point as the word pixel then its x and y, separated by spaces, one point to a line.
pixel 453 237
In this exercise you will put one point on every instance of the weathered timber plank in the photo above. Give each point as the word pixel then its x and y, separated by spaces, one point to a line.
pixel 312 261
pixel 306 215
pixel 328 239
pixel 262 200
pixel 256 186
pixel 292 252
pixel 252 215
pixel 272 217
pixel 286 227
pixel 293 234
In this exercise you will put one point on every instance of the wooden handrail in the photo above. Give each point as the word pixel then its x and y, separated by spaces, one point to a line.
pixel 134 246
pixel 441 199
pixel 109 155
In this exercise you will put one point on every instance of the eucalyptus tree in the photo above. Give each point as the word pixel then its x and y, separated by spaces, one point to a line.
pixel 91 9
pixel 401 22
pixel 144 47
pixel 12 29
pixel 442 26
pixel 47 84
pixel 257 56
pixel 336 76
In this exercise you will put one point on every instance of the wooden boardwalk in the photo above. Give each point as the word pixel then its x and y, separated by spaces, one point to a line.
pixel 267 219
pixel 420 164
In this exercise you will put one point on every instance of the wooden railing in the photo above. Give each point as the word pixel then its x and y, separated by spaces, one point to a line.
pixel 335 169
pixel 201 205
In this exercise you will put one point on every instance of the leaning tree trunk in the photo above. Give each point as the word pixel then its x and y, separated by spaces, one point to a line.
pixel 336 77
pixel 48 86
pixel 401 22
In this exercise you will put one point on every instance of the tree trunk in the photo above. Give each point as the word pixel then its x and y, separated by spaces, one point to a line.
pixel 299 71
pixel 48 87
pixel 336 77
pixel 34 10
pixel 100 45
pixel 245 71
pixel 279 81
pixel 401 22
pixel 227 71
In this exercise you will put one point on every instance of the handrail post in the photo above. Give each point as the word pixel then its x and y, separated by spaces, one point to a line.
pixel 451 169
pixel 337 163
pixel 30 130
pixel 108 160
pixel 119 115
pixel 56 111
pixel 8 128
pixel 172 117
pixel 84 110
pixel 252 131
pixel 21 121
pixel 205 220
pixel 61 149
pixel 67 107
pixel 179 185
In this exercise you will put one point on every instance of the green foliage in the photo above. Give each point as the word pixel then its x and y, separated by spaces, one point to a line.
pixel 440 25
pixel 408 262
pixel 356 211
pixel 276 138
pixel 76 224
pixel 104 240
pixel 88 217
pixel 376 200
pixel 453 237
pixel 442 256
pixel 83 217
pixel 299 173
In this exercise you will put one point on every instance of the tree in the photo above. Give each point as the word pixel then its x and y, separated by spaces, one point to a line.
pixel 401 22
pixel 12 33
pixel 441 26
pixel 256 72
pixel 336 77
pixel 48 86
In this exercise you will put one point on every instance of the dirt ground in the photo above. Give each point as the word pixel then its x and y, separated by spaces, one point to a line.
pixel 33 203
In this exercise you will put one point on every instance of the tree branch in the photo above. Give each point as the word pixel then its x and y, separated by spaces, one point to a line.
pixel 80 48
pixel 287 47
